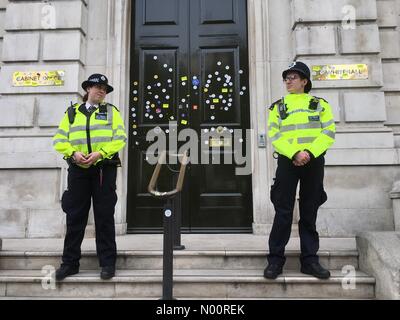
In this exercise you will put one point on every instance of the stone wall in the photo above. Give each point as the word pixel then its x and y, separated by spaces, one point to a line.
pixel 379 256
pixel 359 105
pixel 365 110
pixel 389 33
pixel 358 200
pixel 69 35
pixel 363 163
pixel 38 36
pixel 89 36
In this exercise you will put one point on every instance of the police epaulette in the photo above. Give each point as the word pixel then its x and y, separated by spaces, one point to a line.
pixel 320 99
pixel 274 103
pixel 109 104
pixel 71 111
pixel 75 105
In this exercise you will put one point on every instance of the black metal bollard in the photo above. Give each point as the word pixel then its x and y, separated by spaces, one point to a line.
pixel 170 221
pixel 168 254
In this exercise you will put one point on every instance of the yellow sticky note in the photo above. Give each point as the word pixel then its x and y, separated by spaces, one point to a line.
pixel 165 105
pixel 215 100
pixel 184 78
pixel 224 90
pixel 184 121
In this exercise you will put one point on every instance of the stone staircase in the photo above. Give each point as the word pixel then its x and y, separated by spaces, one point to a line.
pixel 209 273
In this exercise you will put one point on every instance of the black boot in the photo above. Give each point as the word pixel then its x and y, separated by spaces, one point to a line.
pixel 65 271
pixel 107 272
pixel 316 270
pixel 272 271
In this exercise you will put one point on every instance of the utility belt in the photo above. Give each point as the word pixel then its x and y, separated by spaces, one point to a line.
pixel 115 161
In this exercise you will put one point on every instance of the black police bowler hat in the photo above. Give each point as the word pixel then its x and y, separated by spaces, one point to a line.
pixel 301 68
pixel 97 78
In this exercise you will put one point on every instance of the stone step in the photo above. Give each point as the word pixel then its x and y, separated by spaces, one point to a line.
pixel 199 284
pixel 185 259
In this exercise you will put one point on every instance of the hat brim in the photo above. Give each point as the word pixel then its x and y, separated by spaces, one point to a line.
pixel 86 84
pixel 308 86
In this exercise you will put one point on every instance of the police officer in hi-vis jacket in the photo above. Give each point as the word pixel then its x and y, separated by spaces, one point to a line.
pixel 89 137
pixel 301 128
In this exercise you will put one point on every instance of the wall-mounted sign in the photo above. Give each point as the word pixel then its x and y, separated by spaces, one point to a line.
pixel 38 78
pixel 219 142
pixel 340 72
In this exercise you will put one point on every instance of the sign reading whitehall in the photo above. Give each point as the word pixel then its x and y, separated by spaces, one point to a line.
pixel 38 78
pixel 340 72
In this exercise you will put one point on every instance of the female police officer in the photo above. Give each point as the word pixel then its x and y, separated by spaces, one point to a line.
pixel 90 136
pixel 301 128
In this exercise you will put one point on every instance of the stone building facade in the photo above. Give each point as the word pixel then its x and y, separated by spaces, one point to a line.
pixel 94 36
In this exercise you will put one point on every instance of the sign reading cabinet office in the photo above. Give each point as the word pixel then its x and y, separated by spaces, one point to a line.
pixel 340 72
pixel 38 78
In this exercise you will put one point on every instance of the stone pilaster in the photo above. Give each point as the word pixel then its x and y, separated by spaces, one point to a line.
pixel 395 196
pixel 262 162
pixel 389 33
pixel 3 5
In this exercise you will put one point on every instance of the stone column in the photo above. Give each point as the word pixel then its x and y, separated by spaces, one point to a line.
pixel 119 64
pixel 395 196
pixel 3 5
pixel 259 96
pixel 270 51
pixel 118 69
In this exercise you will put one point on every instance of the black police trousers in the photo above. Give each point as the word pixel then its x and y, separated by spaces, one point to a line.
pixel 283 194
pixel 84 185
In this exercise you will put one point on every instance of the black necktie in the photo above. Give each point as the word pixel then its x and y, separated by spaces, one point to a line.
pixel 91 109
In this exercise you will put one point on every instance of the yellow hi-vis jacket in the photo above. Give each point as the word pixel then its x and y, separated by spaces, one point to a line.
pixel 101 133
pixel 302 127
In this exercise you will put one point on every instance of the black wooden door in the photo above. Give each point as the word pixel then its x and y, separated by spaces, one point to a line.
pixel 190 66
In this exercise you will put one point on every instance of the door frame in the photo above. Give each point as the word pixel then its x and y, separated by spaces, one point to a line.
pixel 118 70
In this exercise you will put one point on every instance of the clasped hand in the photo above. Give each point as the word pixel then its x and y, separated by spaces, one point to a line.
pixel 301 158
pixel 89 159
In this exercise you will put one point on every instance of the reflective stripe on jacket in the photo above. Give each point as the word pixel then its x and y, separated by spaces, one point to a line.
pixel 303 128
pixel 106 136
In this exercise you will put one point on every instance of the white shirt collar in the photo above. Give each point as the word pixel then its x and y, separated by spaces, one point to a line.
pixel 88 105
